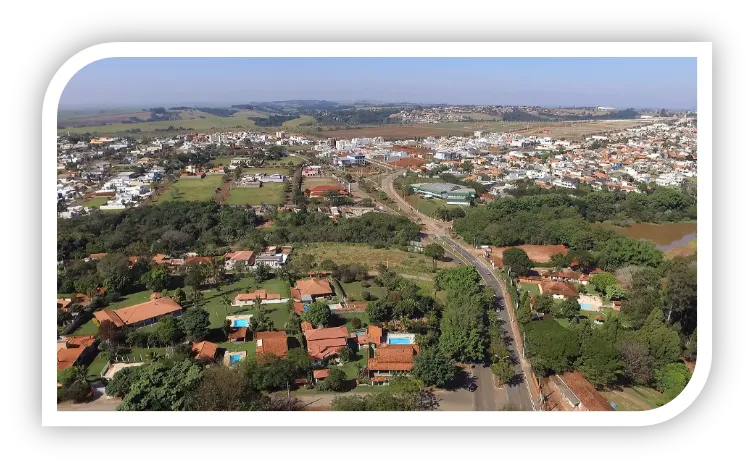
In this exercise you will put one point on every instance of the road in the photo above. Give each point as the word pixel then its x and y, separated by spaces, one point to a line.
pixel 518 394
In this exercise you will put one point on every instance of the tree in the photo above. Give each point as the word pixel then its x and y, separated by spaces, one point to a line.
pixel 570 308
pixel 163 386
pixel 299 359
pixel 615 292
pixel 114 269
pixel 167 331
pixel 518 262
pixel 551 349
pixel 336 381
pixel 318 314
pixel 379 312
pixel 689 351
pixel 599 360
pixel 602 281
pixel 408 191
pixel 663 342
pixel 195 323
pixel 261 273
pixel 69 375
pixel 179 296
pixel 432 367
pixel 108 331
pixel 503 370
pixel 637 362
pixel 121 382
pixel 157 278
pixel 223 389
pixel 671 379
pixel 435 252
pixel 523 312
pixel 355 323
pixel 543 304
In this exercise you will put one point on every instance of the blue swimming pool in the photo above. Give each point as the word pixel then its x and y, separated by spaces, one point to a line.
pixel 398 341
pixel 586 306
pixel 241 323
pixel 234 358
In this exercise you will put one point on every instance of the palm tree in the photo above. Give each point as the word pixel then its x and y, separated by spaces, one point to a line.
pixel 225 300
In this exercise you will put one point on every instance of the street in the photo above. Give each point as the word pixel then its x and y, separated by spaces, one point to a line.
pixel 518 394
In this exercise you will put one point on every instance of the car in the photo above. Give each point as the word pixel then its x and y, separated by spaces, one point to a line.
pixel 472 387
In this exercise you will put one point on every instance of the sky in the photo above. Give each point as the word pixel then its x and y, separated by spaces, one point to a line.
pixel 611 82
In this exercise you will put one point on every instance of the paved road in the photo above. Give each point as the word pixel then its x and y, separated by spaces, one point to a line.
pixel 519 394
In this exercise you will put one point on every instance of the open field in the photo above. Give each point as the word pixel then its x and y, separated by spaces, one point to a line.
pixel 428 206
pixel 270 194
pixel 402 262
pixel 303 121
pixel 191 189
pixel 95 202
pixel 394 132
pixel 105 119
pixel 633 398
pixel 354 291
pixel 310 182
pixel 532 289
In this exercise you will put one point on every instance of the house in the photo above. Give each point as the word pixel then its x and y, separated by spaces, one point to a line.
pixel 581 395
pixel 95 256
pixel 139 315
pixel 320 374
pixel 390 360
pixel 570 276
pixel 73 350
pixel 322 190
pixel 204 350
pixel 245 299
pixel 272 342
pixel 558 289
pixel 323 343
pixel 239 259
pixel 273 257
pixel 308 290
pixel 78 298
pixel 238 334
pixel 310 171
pixel 372 335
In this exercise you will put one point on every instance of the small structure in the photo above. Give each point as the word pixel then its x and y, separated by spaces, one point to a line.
pixel 245 299
pixel 238 334
pixel 580 394
pixel 204 350
pixel 320 374
pixel 232 358
pixel 72 350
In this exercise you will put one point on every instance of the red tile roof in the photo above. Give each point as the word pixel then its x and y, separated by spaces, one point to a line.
pixel 204 349
pixel 374 334
pixel 321 373
pixel 325 342
pixel 272 342
pixel 240 255
pixel 559 288
pixel 139 312
pixel 311 287
pixel 258 294
pixel 585 391
pixel 393 358
pixel 238 333
pixel 73 349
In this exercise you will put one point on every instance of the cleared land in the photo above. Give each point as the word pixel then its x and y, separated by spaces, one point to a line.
pixel 270 194
pixel 95 202
pixel 396 132
pixel 310 182
pixel 191 189
pixel 659 234
pixel 402 262
pixel 633 398
pixel 97 120
pixel 303 121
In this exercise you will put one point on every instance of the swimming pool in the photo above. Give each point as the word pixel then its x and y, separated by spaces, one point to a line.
pixel 241 323
pixel 399 341
pixel 586 306
pixel 234 358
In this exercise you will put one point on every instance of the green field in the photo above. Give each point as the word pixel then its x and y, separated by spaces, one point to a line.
pixel 217 311
pixel 635 398
pixel 271 193
pixel 89 328
pixel 95 368
pixel 426 206
pixel 353 291
pixel 303 121
pixel 310 182
pixel 95 202
pixel 191 189
pixel 533 289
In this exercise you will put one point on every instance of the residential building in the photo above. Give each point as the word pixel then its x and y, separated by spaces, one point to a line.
pixel 240 259
pixel 579 394
pixel 142 314
pixel 324 343
pixel 391 360
pixel 308 290
pixel 272 342
pixel 73 350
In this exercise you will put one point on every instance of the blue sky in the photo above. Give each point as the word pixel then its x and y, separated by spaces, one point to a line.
pixel 612 82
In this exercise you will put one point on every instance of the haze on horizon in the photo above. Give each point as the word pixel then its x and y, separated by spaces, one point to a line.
pixel 612 82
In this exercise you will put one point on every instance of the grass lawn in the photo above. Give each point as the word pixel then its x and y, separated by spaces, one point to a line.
pixel 191 189
pixel 139 354
pixel 249 346
pixel 271 193
pixel 218 312
pixel 401 261
pixel 89 328
pixel 635 398
pixel 352 368
pixel 95 368
pixel 310 182
pixel 532 288
pixel 427 206
pixel 354 290
pixel 95 202
pixel 339 320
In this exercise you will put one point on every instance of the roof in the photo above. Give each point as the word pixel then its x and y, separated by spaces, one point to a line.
pixel 374 334
pixel 559 288
pixel 139 312
pixel 326 333
pixel 326 188
pixel 298 307
pixel 311 287
pixel 585 391
pixel 238 333
pixel 393 357
pixel 272 342
pixel 97 255
pixel 199 260
pixel 325 342
pixel 258 294
pixel 321 373
pixel 74 348
pixel 306 326
pixel 240 255
pixel 204 349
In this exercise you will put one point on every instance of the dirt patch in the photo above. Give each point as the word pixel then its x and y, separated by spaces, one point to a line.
pixel 394 132
pixel 103 119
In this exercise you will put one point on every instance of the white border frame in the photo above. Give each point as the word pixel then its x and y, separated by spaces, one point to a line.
pixel 702 51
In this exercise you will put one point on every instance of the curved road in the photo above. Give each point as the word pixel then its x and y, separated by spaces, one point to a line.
pixel 520 394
